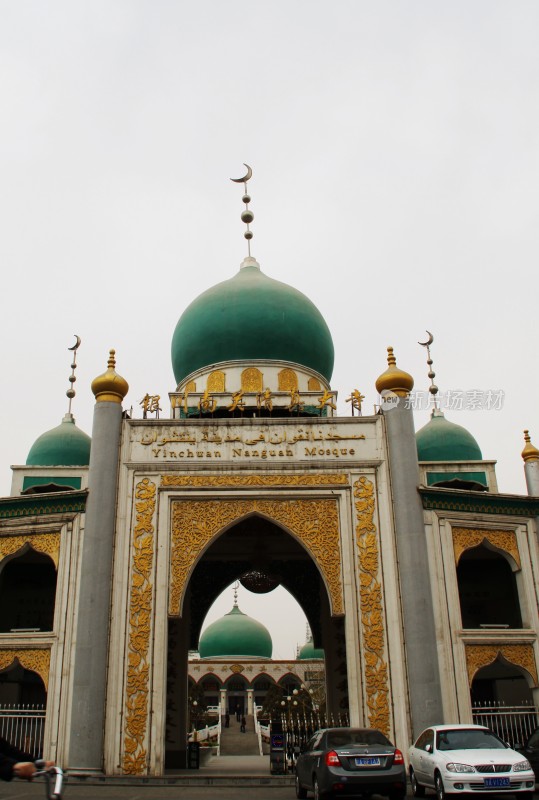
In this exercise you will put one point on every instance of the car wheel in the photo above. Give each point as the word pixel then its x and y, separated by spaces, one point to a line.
pixel 318 795
pixel 417 789
pixel 439 787
pixel 300 791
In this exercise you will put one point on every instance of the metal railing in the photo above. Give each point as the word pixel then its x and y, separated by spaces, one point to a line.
pixel 23 727
pixel 513 724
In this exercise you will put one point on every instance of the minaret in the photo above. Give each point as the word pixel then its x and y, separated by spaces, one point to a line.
pixel 424 684
pixel 92 630
pixel 530 454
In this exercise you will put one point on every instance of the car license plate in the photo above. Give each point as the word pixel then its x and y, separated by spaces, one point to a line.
pixel 367 762
pixel 495 783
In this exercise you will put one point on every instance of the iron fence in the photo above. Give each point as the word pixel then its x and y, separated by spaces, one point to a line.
pixel 23 727
pixel 513 724
pixel 298 728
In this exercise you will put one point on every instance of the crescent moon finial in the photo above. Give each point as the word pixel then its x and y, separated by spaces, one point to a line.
pixel 77 343
pixel 433 389
pixel 71 391
pixel 247 216
pixel 429 340
pixel 247 177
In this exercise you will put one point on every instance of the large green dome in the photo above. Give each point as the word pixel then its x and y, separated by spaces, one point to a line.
pixel 235 635
pixel 441 440
pixel 251 317
pixel 63 446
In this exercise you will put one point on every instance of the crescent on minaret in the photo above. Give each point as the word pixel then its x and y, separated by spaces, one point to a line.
pixel 77 343
pixel 429 340
pixel 248 175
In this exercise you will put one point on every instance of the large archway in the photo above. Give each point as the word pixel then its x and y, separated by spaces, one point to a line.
pixel 252 544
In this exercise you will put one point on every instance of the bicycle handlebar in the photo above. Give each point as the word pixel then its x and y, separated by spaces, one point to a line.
pixel 51 774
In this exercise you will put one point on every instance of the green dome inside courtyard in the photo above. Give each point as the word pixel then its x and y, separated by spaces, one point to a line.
pixel 309 651
pixel 235 635
pixel 251 317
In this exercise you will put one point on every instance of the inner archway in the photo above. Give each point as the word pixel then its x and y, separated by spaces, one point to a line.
pixel 254 544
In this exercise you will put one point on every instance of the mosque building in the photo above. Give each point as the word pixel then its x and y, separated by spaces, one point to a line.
pixel 417 576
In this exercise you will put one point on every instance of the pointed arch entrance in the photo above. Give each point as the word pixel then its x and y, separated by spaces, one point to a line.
pixel 214 542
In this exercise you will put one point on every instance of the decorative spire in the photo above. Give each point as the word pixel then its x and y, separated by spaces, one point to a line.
pixel 236 587
pixel 110 387
pixel 433 389
pixel 71 391
pixel 394 379
pixel 530 453
pixel 247 216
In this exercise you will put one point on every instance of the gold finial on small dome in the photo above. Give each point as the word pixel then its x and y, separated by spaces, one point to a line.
pixel 394 379
pixel 110 387
pixel 530 453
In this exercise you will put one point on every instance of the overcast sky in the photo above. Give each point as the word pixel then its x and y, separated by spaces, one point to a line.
pixel 395 154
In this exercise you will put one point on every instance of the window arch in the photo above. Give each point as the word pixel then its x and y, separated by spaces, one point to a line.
pixel 487 590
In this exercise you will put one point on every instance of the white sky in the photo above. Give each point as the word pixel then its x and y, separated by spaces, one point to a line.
pixel 396 171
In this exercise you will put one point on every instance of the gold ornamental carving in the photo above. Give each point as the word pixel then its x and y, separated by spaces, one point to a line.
pixel 466 538
pixel 252 380
pixel 372 612
pixel 140 610
pixel 47 543
pixel 481 655
pixel 35 660
pixel 313 385
pixel 237 669
pixel 190 387
pixel 287 380
pixel 314 522
pixel 199 481
pixel 216 381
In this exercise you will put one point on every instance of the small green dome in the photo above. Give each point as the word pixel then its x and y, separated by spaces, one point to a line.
pixel 309 651
pixel 251 317
pixel 64 446
pixel 235 635
pixel 441 440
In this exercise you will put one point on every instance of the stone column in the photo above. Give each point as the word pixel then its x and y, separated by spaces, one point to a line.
pixel 223 694
pixel 250 708
pixel 89 670
pixel 424 681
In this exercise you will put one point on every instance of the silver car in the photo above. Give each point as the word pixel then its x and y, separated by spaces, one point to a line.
pixel 458 759
pixel 350 761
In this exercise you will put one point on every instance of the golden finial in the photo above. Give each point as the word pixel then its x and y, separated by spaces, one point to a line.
pixel 71 391
pixel 394 379
pixel 110 387
pixel 247 216
pixel 530 453
pixel 433 389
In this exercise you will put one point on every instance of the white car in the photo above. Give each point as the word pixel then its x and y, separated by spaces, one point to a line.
pixel 460 759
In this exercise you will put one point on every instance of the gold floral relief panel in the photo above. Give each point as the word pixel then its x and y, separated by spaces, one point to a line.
pixel 481 655
pixel 314 522
pixel 288 380
pixel 36 660
pixel 47 543
pixel 371 606
pixel 200 481
pixel 466 538
pixel 313 385
pixel 252 380
pixel 136 713
pixel 216 381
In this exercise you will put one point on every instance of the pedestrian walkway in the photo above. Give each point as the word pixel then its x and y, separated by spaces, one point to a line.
pixel 236 743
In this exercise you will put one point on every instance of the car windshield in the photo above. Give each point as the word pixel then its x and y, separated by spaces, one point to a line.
pixel 468 739
pixel 346 738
